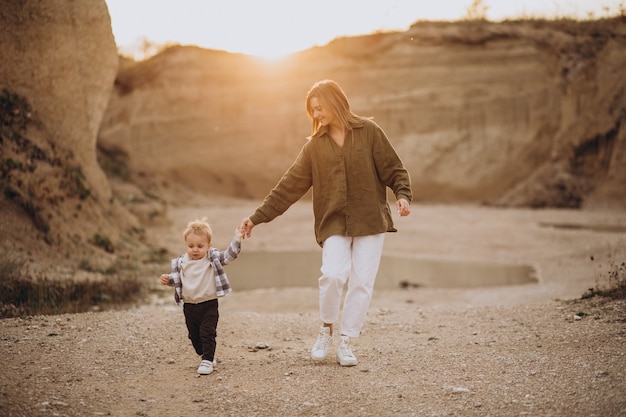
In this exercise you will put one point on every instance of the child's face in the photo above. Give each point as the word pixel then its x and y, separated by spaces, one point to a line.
pixel 197 245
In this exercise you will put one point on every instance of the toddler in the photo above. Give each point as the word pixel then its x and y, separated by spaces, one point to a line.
pixel 198 279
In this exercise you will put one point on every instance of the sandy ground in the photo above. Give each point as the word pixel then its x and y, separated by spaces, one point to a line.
pixel 521 349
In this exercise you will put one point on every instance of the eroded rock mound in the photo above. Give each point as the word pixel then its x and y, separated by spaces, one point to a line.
pixel 59 62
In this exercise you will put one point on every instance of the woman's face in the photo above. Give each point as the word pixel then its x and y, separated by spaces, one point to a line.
pixel 320 113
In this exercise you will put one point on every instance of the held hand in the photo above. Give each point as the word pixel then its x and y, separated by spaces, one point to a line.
pixel 404 207
pixel 165 279
pixel 246 227
pixel 240 233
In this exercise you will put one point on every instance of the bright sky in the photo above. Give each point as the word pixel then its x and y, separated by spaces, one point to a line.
pixel 272 28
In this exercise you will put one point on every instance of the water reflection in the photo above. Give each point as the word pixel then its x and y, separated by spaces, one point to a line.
pixel 301 269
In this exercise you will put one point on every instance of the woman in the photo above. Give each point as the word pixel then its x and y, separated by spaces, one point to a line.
pixel 349 162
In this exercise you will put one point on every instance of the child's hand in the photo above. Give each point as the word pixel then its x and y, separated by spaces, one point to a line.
pixel 239 233
pixel 165 279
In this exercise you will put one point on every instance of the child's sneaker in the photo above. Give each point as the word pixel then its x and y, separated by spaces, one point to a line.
pixel 206 367
pixel 320 348
pixel 345 357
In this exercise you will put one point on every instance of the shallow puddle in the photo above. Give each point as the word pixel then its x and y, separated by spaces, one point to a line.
pixel 301 269
pixel 604 228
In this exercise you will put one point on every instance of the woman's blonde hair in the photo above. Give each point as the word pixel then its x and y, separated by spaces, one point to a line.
pixel 199 227
pixel 333 98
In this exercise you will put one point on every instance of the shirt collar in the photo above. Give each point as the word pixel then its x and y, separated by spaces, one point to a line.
pixel 324 129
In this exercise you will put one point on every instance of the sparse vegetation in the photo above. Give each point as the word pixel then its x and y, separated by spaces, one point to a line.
pixel 15 115
pixel 102 242
pixel 21 294
pixel 85 265
pixel 22 162
pixel 144 49
pixel 610 277
pixel 114 163
pixel 74 181
pixel 476 11
pixel 158 257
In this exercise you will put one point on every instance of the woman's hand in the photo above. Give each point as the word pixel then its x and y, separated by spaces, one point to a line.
pixel 404 207
pixel 165 279
pixel 246 227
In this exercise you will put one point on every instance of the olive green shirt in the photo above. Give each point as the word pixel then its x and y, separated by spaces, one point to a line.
pixel 349 183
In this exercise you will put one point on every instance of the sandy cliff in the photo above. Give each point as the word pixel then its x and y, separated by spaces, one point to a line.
pixel 62 57
pixel 514 114
pixel 58 66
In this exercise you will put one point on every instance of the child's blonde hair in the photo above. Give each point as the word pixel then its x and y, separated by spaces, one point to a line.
pixel 199 227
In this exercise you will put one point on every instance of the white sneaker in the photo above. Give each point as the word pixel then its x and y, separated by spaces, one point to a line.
pixel 205 368
pixel 345 357
pixel 320 348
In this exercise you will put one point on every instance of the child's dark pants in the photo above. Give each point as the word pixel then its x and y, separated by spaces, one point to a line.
pixel 201 320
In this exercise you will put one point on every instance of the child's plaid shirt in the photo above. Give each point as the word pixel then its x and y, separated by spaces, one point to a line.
pixel 218 259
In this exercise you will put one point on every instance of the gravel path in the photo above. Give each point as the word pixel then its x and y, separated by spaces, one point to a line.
pixel 512 350
pixel 548 359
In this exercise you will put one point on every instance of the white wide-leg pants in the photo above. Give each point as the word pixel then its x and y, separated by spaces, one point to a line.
pixel 355 260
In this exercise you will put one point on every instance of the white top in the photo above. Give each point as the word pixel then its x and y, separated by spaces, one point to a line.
pixel 198 280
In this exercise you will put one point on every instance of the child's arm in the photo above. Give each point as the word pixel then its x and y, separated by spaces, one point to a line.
pixel 233 250
pixel 173 280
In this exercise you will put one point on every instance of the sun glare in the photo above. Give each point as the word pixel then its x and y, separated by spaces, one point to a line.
pixel 275 28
